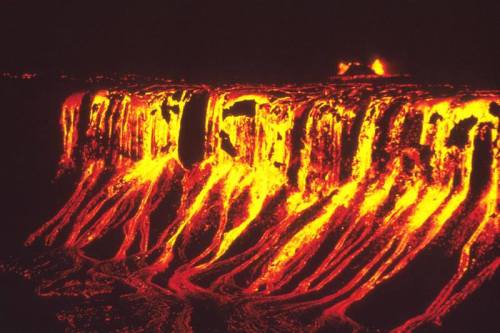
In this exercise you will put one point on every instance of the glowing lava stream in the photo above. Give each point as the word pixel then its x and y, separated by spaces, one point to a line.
pixel 305 198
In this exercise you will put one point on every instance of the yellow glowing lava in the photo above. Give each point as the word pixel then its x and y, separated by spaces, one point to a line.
pixel 378 67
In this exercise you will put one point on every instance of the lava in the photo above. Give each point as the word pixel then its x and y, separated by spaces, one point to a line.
pixel 378 67
pixel 305 199
pixel 353 69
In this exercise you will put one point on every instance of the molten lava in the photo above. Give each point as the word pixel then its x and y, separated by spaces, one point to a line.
pixel 343 67
pixel 378 67
pixel 356 69
pixel 305 199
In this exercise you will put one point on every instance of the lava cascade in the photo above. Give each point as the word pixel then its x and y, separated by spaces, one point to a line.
pixel 304 199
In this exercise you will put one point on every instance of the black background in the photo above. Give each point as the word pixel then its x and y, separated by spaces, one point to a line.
pixel 257 41
pixel 206 41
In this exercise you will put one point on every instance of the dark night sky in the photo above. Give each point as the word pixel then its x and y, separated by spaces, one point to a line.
pixel 251 40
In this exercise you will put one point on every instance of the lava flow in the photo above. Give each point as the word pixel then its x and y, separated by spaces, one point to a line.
pixel 275 208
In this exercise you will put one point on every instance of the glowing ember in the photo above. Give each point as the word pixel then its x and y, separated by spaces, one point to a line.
pixel 306 199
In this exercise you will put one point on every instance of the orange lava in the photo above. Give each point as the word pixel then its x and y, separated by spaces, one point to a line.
pixel 378 67
pixel 307 198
